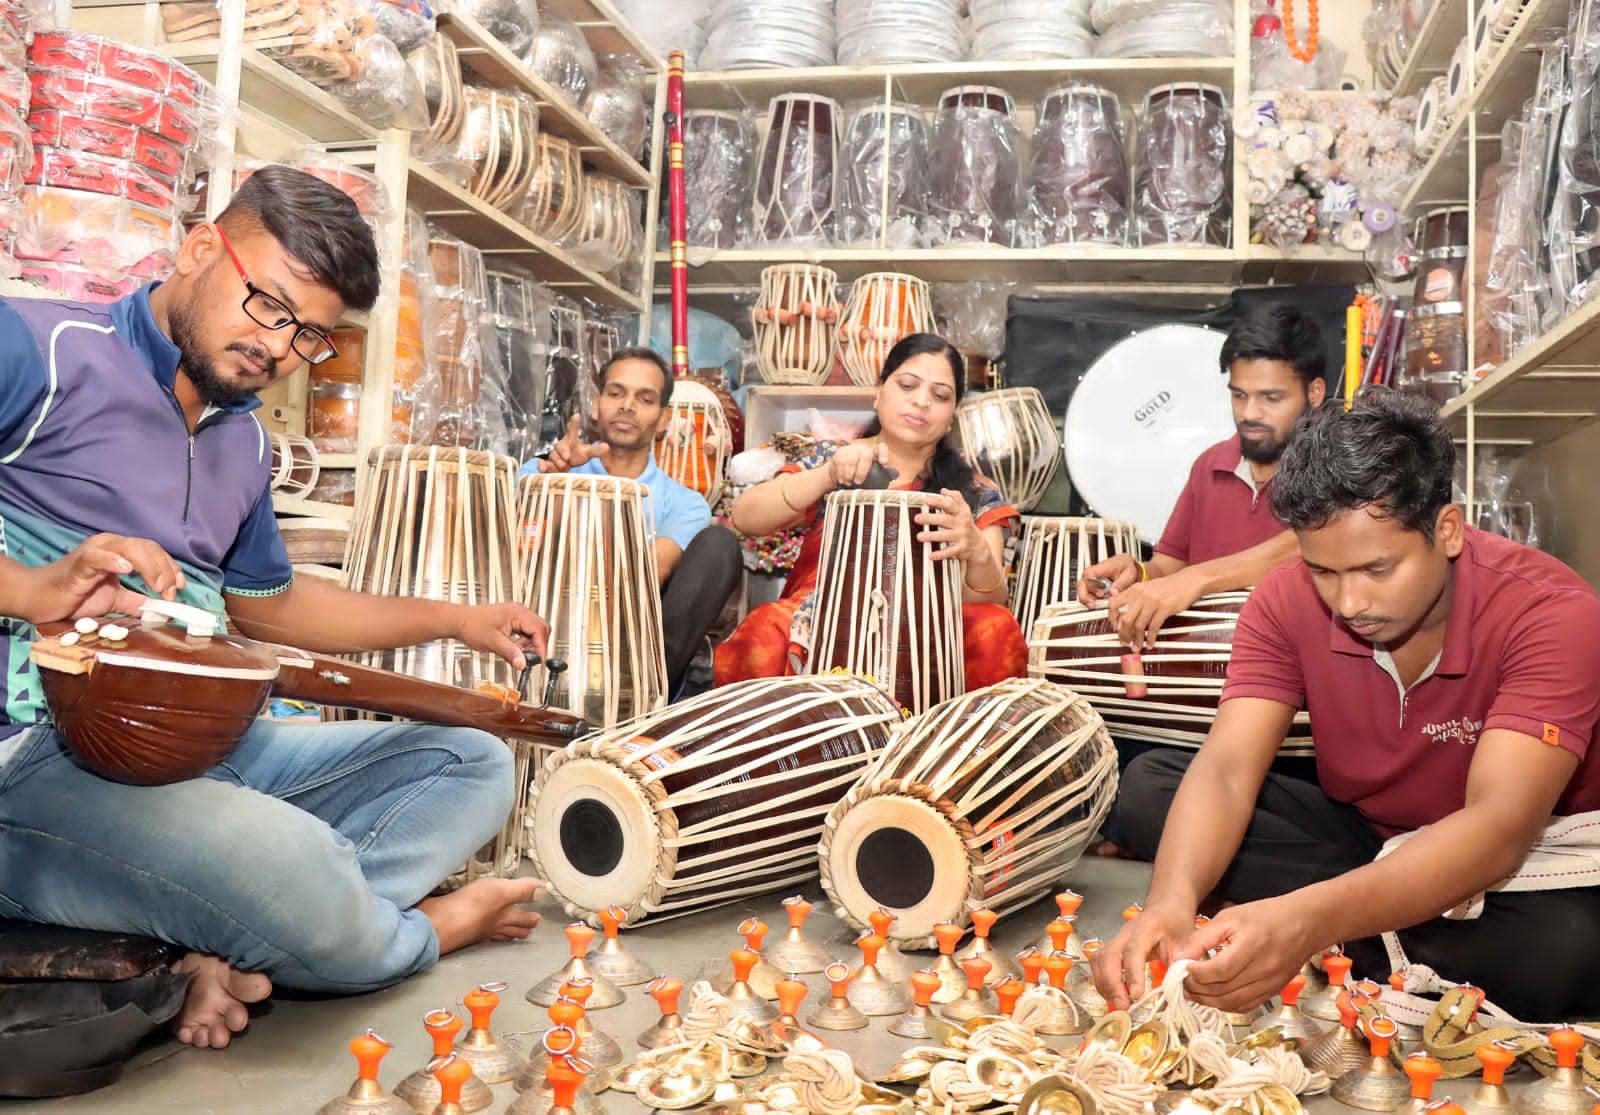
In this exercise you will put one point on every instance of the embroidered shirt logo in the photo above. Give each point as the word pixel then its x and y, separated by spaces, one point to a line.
pixel 1459 731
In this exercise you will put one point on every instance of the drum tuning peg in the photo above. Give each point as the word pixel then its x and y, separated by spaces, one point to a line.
pixel 612 960
pixel 554 668
pixel 838 1013
pixel 893 963
pixel 421 1089
pixel 872 991
pixel 1378 1085
pixel 529 661
pixel 605 993
pixel 793 952
pixel 490 1058
pixel 366 1096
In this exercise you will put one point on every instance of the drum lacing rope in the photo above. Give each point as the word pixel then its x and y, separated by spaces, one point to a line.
pixel 826 1079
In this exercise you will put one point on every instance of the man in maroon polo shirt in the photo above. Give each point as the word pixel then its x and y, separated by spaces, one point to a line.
pixel 1222 534
pixel 1453 682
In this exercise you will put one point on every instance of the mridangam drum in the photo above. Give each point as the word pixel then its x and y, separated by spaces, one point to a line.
pixel 1054 554
pixel 882 308
pixel 884 607
pixel 984 800
pixel 885 176
pixel 697 442
pixel 1168 694
pixel 586 551
pixel 705 802
pixel 1140 416
pixel 795 319
pixel 1078 180
pixel 1010 437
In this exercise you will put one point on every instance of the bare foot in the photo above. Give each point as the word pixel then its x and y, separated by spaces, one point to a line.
pixel 1107 849
pixel 483 910
pixel 214 1006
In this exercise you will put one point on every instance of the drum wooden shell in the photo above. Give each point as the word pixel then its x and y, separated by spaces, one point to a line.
pixel 1054 554
pixel 497 142
pixel 719 154
pixel 1010 437
pixel 554 204
pixel 697 443
pixel 438 69
pixel 795 320
pixel 882 308
pixel 1166 695
pixel 797 181
pixel 884 608
pixel 586 551
pixel 975 168
pixel 1183 189
pixel 1078 180
pixel 984 800
pixel 1436 332
pixel 707 801
pixel 295 464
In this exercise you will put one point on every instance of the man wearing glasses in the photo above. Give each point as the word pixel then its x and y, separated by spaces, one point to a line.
pixel 131 466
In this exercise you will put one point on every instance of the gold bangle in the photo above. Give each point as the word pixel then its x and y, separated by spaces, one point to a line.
pixel 1144 573
pixel 984 591
pixel 783 492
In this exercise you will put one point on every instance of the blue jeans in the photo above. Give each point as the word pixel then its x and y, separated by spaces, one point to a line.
pixel 300 857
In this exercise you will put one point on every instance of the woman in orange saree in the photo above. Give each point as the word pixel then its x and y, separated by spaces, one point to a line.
pixel 922 383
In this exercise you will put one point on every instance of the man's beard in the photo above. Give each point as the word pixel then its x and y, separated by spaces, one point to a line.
pixel 1265 452
pixel 199 369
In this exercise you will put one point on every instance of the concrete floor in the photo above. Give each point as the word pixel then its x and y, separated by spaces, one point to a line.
pixel 293 1058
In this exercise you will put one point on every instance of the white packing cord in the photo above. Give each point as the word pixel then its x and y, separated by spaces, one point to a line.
pixel 708 1014
pixel 1120 1086
pixel 827 1081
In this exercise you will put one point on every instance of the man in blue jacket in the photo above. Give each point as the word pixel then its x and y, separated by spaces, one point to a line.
pixel 131 465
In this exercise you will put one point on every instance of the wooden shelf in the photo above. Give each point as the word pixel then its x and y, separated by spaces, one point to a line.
pixel 278 91
pixel 770 408
pixel 293 505
pixel 474 220
pixel 488 58
pixel 1027 82
pixel 1548 389
pixel 336 460
pixel 607 31
pixel 1446 25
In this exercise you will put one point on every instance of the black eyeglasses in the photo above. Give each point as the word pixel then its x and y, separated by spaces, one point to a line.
pixel 310 344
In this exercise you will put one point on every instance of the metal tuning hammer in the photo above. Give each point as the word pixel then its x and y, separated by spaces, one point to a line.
pixel 554 668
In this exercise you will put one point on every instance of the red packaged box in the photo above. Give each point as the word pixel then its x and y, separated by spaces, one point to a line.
pixel 100 174
pixel 76 132
pixel 75 52
pixel 104 99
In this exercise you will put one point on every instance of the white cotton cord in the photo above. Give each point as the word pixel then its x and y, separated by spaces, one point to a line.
pixel 1006 1037
pixel 1119 1086
pixel 826 1081
pixel 1170 1004
pixel 708 1014
pixel 1040 1004
pixel 1238 1080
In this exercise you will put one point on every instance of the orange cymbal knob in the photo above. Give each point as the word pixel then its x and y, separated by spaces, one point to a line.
pixel 1338 966
pixel 1423 1069
pixel 791 993
pixel 665 992
pixel 1032 966
pixel 1567 1043
pixel 1068 902
pixel 578 990
pixel 1496 1059
pixel 1056 967
pixel 369 1050
pixel 1381 1031
pixel 870 946
pixel 949 935
pixel 744 962
pixel 924 982
pixel 799 909
pixel 611 920
pixel 1292 989
pixel 982 922
pixel 1008 993
pixel 976 968
pixel 838 977
pixel 564 1081
pixel 579 938
pixel 452 1073
pixel 755 932
pixel 1058 931
pixel 442 1027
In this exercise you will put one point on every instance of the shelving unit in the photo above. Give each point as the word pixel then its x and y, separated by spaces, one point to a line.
pixel 1435 44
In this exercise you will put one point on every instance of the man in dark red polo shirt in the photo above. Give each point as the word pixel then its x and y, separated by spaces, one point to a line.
pixel 1453 682
pixel 1222 534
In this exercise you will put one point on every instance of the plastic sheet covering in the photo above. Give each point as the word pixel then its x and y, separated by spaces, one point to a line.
pixel 328 41
pixel 797 180
pixel 1574 225
pixel 1163 28
pixel 519 309
pixel 667 27
pixel 1511 497
pixel 885 167
pixel 16 152
pixel 447 401
pixel 975 169
pixel 499 144
pixel 719 159
pixel 1183 188
pixel 1488 343
pixel 972 315
pixel 566 394
pixel 1516 281
pixel 763 34
pixel 610 238
pixel 554 203
pixel 1272 66
pixel 1020 30
pixel 1078 174
pixel 359 184
pixel 616 104
pixel 887 32
pixel 387 94
pixel 438 71
pixel 513 22
pixel 405 23
pixel 561 55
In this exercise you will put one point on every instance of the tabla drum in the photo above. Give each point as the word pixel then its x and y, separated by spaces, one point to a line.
pixel 882 308
pixel 1078 180
pixel 1436 334
pixel 707 801
pixel 1140 416
pixel 1166 695
pixel 1183 190
pixel 553 207
pixel 986 800
pixel 334 394
pixel 974 170
pixel 586 552
pixel 885 176
pixel 1054 554
pixel 795 320
pixel 610 233
pixel 1009 437
pixel 435 524
pixel 697 442
pixel 797 182
pixel 719 154
pixel 496 142
pixel 884 607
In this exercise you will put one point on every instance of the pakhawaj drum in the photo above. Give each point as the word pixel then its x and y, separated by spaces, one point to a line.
pixel 984 800
pixel 708 801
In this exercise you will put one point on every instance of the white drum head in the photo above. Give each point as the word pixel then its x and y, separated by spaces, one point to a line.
pixel 1144 411
pixel 595 835
pixel 903 855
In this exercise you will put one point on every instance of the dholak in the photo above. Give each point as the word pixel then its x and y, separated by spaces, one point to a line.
pixel 1078 182
pixel 885 175
pixel 795 319
pixel 797 183
pixel 974 168
pixel 719 152
pixel 884 607
pixel 588 567
pixel 1054 554
pixel 710 800
pixel 1140 416
pixel 695 447
pixel 1166 695
pixel 1436 335
pixel 1184 186
pixel 1010 437
pixel 984 800
pixel 881 309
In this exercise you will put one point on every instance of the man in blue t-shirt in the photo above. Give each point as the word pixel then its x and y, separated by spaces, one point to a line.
pixel 697 564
